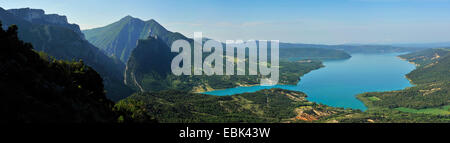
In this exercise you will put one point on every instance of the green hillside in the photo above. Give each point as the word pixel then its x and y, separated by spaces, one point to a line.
pixel 266 106
pixel 37 88
pixel 63 43
pixel 426 57
pixel 431 95
pixel 427 102
pixel 148 69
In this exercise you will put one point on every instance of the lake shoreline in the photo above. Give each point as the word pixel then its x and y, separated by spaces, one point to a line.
pixel 252 85
pixel 367 101
pixel 338 83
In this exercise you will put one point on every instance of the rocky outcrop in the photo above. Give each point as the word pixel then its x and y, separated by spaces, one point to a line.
pixel 38 16
pixel 149 61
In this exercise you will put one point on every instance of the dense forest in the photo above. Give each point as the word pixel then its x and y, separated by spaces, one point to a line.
pixel 266 106
pixel 38 88
pixel 64 41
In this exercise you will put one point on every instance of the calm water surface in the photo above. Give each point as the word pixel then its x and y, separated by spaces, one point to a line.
pixel 339 81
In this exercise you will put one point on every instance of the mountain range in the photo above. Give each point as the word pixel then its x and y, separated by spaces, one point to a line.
pixel 53 35
pixel 367 49
pixel 137 43
pixel 120 38
pixel 51 71
pixel 38 88
pixel 108 49
pixel 424 45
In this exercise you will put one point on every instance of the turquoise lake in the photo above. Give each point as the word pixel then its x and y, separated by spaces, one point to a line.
pixel 338 83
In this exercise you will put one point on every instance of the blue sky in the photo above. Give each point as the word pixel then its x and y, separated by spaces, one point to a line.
pixel 312 21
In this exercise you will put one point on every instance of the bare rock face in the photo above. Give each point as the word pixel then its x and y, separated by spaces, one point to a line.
pixel 28 14
pixel 38 16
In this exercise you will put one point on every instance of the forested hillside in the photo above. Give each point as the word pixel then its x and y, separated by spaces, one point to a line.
pixel 62 42
pixel 431 95
pixel 148 69
pixel 37 88
pixel 266 106
pixel 426 57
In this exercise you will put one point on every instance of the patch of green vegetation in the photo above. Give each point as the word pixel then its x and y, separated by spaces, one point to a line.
pixel 373 98
pixel 437 111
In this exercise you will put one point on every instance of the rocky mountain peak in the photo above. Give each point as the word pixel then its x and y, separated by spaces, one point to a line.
pixel 31 15
pixel 38 16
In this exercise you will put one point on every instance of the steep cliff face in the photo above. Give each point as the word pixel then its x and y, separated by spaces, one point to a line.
pixel 38 16
pixel 151 58
pixel 37 89
pixel 120 38
pixel 65 44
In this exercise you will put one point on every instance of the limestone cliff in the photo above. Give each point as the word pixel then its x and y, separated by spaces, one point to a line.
pixel 38 16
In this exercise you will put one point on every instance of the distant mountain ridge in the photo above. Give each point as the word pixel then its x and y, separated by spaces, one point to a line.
pixel 38 16
pixel 425 45
pixel 120 38
pixel 293 53
pixel 355 48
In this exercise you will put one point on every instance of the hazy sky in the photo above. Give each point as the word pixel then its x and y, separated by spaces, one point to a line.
pixel 312 21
